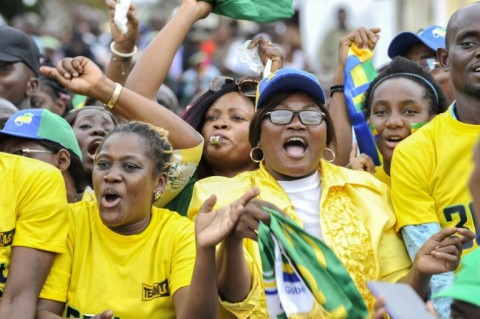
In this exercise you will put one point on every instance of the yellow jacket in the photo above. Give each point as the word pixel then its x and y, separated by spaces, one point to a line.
pixel 356 218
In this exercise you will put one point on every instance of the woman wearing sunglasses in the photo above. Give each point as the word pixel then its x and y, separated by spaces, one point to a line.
pixel 348 210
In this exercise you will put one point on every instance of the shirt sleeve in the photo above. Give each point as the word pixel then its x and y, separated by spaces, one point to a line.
pixel 58 280
pixel 244 308
pixel 183 167
pixel 411 196
pixel 42 211
pixel 414 237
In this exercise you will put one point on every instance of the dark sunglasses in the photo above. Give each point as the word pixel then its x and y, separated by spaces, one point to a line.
pixel 429 64
pixel 284 117
pixel 247 87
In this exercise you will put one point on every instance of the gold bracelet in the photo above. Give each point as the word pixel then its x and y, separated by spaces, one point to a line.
pixel 114 98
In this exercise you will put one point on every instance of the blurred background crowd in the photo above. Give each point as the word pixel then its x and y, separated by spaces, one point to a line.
pixel 68 28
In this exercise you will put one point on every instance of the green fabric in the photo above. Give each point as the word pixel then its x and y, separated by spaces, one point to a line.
pixel 254 10
pixel 305 253
pixel 181 202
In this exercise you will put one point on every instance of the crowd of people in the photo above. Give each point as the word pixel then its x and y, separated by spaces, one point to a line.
pixel 117 204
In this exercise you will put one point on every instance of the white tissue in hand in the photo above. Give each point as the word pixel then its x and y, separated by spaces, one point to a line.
pixel 120 18
pixel 250 57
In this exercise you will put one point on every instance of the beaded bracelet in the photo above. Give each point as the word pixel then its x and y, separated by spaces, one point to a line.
pixel 336 88
pixel 121 54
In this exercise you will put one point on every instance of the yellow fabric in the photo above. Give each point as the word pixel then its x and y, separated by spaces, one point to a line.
pixel 382 176
pixel 430 173
pixel 33 208
pixel 184 165
pixel 135 276
pixel 356 219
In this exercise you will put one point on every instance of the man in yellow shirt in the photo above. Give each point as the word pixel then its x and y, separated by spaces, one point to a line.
pixel 33 229
pixel 431 168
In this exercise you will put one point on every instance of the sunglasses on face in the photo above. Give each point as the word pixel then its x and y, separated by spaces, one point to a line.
pixel 429 64
pixel 247 87
pixel 284 117
pixel 27 151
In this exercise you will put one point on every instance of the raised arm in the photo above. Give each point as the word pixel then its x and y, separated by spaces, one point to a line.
pixel 200 299
pixel 82 76
pixel 152 68
pixel 362 37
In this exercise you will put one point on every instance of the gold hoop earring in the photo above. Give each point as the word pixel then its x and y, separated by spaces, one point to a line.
pixel 254 150
pixel 333 155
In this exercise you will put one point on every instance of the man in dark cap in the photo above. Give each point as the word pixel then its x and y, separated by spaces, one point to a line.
pixel 19 66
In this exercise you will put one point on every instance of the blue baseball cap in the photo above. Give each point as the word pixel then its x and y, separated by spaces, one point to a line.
pixel 433 37
pixel 42 125
pixel 288 79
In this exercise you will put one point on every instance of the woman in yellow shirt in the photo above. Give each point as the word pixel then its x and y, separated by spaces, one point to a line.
pixel 128 259
pixel 349 210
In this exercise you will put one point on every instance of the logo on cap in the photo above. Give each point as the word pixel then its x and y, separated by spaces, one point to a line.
pixel 438 33
pixel 24 119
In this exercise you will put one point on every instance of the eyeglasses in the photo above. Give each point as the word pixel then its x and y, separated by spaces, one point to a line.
pixel 429 64
pixel 26 151
pixel 247 87
pixel 284 117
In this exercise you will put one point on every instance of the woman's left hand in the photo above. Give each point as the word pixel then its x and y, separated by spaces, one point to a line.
pixel 211 227
pixel 441 252
pixel 268 50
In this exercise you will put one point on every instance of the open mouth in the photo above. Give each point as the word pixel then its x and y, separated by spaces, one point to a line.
pixel 92 148
pixel 110 198
pixel 295 146
pixel 393 141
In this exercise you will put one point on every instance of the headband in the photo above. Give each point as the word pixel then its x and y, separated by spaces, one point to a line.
pixel 429 84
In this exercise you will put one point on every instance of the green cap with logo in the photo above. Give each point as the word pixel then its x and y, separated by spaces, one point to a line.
pixel 42 125
pixel 466 287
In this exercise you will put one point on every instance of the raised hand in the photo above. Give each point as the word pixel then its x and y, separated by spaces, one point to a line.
pixel 361 162
pixel 442 252
pixel 362 37
pixel 79 75
pixel 211 227
pixel 268 50
pixel 124 42
pixel 201 8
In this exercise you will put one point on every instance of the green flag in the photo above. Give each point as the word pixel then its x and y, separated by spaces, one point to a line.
pixel 254 10
pixel 302 276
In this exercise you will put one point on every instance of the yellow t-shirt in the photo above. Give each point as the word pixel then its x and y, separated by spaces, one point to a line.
pixel 356 219
pixel 33 208
pixel 134 276
pixel 430 173
pixel 382 176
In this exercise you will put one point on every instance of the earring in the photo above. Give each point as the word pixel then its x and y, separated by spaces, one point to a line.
pixel 333 155
pixel 157 195
pixel 254 150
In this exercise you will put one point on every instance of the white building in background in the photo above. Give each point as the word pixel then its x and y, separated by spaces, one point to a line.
pixel 392 16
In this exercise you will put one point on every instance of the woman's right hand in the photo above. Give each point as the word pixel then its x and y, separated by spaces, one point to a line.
pixel 79 75
pixel 201 8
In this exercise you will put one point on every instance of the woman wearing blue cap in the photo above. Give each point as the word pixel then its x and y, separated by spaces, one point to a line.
pixel 348 210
